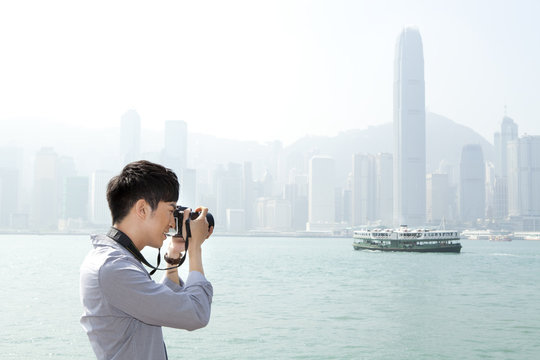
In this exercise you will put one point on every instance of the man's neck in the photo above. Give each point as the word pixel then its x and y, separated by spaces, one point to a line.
pixel 131 232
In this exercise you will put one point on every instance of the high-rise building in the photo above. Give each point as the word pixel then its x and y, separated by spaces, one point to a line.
pixel 490 189
pixel 9 188
pixel 472 192
pixel 500 198
pixel 99 208
pixel 363 189
pixel 509 132
pixel 321 201
pixel 130 137
pixel 437 202
pixel 66 169
pixel 188 187
pixel 228 189
pixel 384 185
pixel 10 183
pixel 76 196
pixel 45 209
pixel 524 179
pixel 409 130
pixel 248 194
pixel 235 220
pixel 296 192
pixel 175 150
pixel 273 214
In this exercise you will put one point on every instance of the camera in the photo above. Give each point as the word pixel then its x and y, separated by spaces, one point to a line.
pixel 179 217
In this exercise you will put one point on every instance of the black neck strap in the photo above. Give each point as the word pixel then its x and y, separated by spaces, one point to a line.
pixel 126 242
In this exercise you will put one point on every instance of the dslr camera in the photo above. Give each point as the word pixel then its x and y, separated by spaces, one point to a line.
pixel 179 217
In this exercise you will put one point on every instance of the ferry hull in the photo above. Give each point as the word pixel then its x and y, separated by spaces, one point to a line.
pixel 452 248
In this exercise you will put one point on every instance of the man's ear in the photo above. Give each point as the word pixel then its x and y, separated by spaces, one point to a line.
pixel 141 208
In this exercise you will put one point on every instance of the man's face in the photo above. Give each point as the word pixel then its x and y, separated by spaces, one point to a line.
pixel 159 222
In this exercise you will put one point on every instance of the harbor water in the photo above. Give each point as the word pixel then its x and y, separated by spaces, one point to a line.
pixel 298 298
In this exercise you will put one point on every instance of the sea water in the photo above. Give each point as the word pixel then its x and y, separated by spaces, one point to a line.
pixel 298 298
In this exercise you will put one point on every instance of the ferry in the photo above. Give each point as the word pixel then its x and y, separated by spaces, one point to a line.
pixel 404 239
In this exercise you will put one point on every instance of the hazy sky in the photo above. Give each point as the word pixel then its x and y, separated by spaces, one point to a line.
pixel 265 70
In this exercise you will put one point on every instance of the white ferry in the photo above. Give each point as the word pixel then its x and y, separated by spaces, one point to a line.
pixel 404 239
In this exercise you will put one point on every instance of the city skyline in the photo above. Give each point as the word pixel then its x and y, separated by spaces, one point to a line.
pixel 308 185
pixel 249 70
pixel 273 195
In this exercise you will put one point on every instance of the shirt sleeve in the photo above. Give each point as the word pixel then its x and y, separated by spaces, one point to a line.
pixel 127 287
pixel 171 284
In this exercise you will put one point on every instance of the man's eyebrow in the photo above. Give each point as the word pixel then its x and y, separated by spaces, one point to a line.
pixel 173 205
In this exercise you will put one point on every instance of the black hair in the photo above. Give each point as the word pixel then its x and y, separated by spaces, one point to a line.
pixel 141 180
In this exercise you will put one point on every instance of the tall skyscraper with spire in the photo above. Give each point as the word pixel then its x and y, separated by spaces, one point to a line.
pixel 409 130
pixel 508 134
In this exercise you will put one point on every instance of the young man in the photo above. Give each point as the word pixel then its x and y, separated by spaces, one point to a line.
pixel 124 309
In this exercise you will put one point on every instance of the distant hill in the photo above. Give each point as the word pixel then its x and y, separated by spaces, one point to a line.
pixel 444 142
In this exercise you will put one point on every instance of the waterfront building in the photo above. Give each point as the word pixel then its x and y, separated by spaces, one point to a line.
pixel 363 189
pixel 11 159
pixel 188 188
pixel 384 188
pixel 100 214
pixel 472 193
pixel 9 189
pixel 235 220
pixel 278 214
pixel 508 133
pixel 437 202
pixel 346 204
pixel 66 169
pixel 409 130
pixel 524 181
pixel 321 202
pixel 76 196
pixel 229 189
pixel 130 137
pixel 175 150
pixel 248 194
pixel 45 211
pixel 297 194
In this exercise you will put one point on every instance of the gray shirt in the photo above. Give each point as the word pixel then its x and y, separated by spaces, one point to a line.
pixel 124 309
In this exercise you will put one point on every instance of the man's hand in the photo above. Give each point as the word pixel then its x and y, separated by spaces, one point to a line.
pixel 199 233
pixel 177 246
pixel 200 230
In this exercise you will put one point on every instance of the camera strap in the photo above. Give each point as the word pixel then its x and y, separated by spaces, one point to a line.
pixel 126 242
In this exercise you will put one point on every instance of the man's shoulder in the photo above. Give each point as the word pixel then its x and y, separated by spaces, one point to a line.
pixel 107 255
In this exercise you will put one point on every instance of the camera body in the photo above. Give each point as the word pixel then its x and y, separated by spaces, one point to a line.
pixel 179 217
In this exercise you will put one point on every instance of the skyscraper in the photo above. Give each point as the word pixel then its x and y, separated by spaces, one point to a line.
pixel 99 208
pixel 130 137
pixel 437 198
pixel 384 186
pixel 321 208
pixel 10 183
pixel 509 133
pixel 188 187
pixel 75 205
pixel 363 189
pixel 409 130
pixel 175 150
pixel 472 194
pixel 524 180
pixel 45 202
